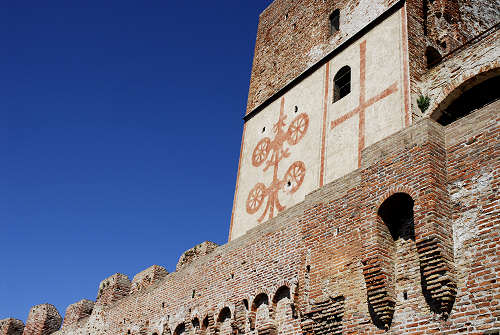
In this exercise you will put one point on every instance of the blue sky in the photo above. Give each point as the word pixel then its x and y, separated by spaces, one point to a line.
pixel 120 129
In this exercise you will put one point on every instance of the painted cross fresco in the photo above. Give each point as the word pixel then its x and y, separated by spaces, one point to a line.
pixel 363 103
pixel 276 150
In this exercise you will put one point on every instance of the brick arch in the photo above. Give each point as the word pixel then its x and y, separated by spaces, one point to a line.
pixel 456 87
pixel 207 321
pixel 263 294
pixel 180 328
pixel 377 265
pixel 291 284
pixel 398 189
pixel 224 314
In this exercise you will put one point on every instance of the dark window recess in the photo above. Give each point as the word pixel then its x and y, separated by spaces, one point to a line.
pixel 334 21
pixel 397 214
pixel 224 315
pixel 342 83
pixel 180 330
pixel 196 323
pixel 205 322
pixel 471 100
pixel 432 56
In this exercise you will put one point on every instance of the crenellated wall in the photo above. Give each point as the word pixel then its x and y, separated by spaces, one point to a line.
pixel 333 264
pixel 42 319
pixel 11 327
pixel 396 227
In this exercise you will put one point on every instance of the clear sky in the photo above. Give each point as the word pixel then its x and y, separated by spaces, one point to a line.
pixel 120 130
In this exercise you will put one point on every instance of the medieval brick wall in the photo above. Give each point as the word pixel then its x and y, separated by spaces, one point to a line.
pixel 407 243
pixel 443 26
pixel 294 35
pixel 330 265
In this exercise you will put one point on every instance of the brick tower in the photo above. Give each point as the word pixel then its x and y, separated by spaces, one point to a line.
pixel 367 198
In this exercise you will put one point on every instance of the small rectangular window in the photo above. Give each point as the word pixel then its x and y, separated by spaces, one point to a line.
pixel 335 21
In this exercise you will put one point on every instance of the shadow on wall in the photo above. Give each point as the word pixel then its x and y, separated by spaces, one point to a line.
pixel 471 95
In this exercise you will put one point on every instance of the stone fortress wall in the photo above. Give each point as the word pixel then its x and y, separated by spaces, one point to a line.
pixel 329 264
pixel 406 242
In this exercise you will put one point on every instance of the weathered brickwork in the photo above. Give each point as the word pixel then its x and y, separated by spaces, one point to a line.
pixel 42 319
pixel 305 271
pixel 443 25
pixel 294 35
pixel 11 327
pixel 77 311
pixel 473 64
pixel 405 242
pixel 193 254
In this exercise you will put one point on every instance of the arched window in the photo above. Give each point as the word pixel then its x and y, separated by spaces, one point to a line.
pixel 196 323
pixel 224 314
pixel 180 330
pixel 397 214
pixel 334 21
pixel 342 83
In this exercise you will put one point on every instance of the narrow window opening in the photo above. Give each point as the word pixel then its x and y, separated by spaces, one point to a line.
pixel 180 330
pixel 196 323
pixel 334 21
pixel 193 294
pixel 397 214
pixel 296 109
pixel 308 268
pixel 224 315
pixel 205 322
pixel 405 295
pixel 432 57
pixel 342 83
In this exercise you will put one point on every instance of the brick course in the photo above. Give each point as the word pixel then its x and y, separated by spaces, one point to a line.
pixel 320 249
pixel 333 264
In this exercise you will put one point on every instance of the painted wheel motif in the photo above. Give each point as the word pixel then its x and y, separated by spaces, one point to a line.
pixel 256 198
pixel 294 177
pixel 297 129
pixel 261 151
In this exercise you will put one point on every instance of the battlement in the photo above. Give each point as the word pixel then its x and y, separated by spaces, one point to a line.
pixel 191 255
pixel 77 311
pixel 146 278
pixel 368 200
pixel 11 327
pixel 239 285
pixel 113 288
pixel 42 319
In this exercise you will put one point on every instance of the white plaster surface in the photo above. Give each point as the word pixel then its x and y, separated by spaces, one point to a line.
pixel 384 67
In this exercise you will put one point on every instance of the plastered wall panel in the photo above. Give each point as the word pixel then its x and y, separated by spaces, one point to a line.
pixel 341 145
pixel 377 96
pixel 280 156
pixel 304 139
